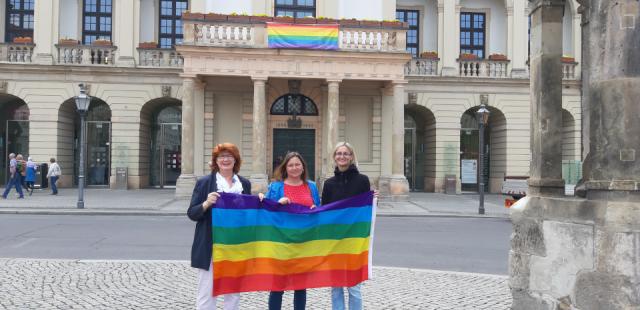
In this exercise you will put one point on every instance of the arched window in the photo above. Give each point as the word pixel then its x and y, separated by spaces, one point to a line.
pixel 291 104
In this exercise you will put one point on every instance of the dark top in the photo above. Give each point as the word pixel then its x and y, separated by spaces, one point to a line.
pixel 344 184
pixel 202 239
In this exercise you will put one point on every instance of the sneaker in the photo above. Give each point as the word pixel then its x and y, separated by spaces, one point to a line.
pixel 21 197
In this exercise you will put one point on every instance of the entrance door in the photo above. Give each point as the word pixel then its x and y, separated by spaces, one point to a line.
pixel 410 156
pixel 98 152
pixel 15 140
pixel 170 150
pixel 302 141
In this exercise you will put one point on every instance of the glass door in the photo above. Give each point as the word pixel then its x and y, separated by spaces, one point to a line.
pixel 410 156
pixel 170 152
pixel 98 150
pixel 15 140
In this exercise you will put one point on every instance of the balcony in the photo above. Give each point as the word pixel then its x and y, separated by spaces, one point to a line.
pixel 16 52
pixel 422 67
pixel 159 58
pixel 569 70
pixel 483 68
pixel 86 55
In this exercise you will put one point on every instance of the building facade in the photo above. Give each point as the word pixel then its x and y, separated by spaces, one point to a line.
pixel 170 79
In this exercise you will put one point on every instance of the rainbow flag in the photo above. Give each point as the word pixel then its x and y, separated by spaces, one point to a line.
pixel 269 247
pixel 317 37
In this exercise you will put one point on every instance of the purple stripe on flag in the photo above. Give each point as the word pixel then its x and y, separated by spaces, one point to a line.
pixel 235 201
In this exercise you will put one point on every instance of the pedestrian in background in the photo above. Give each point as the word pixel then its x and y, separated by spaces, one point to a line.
pixel 53 175
pixel 22 170
pixel 31 175
pixel 346 182
pixel 14 179
pixel 225 164
pixel 292 186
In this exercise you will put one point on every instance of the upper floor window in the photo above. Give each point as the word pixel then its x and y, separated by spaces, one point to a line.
pixel 472 34
pixel 295 8
pixel 96 20
pixel 171 22
pixel 294 104
pixel 19 19
pixel 411 17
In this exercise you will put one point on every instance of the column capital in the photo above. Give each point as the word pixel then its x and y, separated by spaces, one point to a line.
pixel 398 83
pixel 536 4
pixel 256 79
pixel 334 81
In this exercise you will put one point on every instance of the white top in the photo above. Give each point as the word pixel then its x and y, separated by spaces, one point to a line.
pixel 54 170
pixel 223 185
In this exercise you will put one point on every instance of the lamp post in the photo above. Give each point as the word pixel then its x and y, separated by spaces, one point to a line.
pixel 483 118
pixel 82 105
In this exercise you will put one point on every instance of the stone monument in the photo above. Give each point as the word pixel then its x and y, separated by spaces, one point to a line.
pixel 582 252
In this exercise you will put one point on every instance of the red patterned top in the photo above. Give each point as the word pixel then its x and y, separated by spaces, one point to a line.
pixel 300 194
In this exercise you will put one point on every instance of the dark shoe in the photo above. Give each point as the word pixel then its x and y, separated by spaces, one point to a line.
pixel 4 197
pixel 30 193
pixel 21 197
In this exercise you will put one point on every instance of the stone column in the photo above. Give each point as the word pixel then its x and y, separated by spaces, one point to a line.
pixel 449 36
pixel 258 177
pixel 398 184
pixel 125 18
pixel 187 179
pixel 546 98
pixel 45 31
pixel 517 44
pixel 333 123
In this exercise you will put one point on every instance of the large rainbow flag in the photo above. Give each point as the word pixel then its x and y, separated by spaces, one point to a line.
pixel 319 37
pixel 269 247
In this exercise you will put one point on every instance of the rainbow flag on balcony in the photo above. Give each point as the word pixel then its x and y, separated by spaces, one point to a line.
pixel 269 247
pixel 318 37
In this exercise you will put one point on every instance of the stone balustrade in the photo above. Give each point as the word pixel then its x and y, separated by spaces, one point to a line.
pixel 86 55
pixel 422 67
pixel 569 70
pixel 16 52
pixel 483 68
pixel 157 57
pixel 254 35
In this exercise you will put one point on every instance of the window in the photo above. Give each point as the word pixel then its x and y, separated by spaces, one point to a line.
pixel 472 34
pixel 413 34
pixel 171 22
pixel 96 20
pixel 19 19
pixel 295 8
pixel 291 104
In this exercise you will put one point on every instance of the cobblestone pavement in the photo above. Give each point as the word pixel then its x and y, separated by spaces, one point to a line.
pixel 70 284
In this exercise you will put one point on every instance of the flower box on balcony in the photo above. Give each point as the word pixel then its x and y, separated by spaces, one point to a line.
pixel 148 45
pixel 283 19
pixel 215 17
pixel 349 22
pixel 189 15
pixel 498 57
pixel 324 20
pixel 393 24
pixel 23 40
pixel 68 42
pixel 370 23
pixel 429 55
pixel 568 60
pixel 261 19
pixel 237 18
pixel 468 56
pixel 305 20
pixel 102 43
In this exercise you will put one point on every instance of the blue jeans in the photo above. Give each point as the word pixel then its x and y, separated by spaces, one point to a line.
pixel 15 181
pixel 299 300
pixel 52 181
pixel 355 298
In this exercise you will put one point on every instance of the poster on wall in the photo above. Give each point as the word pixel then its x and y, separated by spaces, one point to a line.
pixel 469 173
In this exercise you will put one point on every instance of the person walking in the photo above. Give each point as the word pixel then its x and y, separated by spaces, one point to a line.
pixel 346 182
pixel 53 175
pixel 30 177
pixel 21 166
pixel 292 186
pixel 14 178
pixel 225 164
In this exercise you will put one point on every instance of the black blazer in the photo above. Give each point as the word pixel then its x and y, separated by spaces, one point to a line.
pixel 202 240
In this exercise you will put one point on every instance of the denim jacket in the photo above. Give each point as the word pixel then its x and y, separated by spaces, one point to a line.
pixel 276 191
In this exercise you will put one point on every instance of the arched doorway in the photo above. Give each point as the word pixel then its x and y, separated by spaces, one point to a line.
pixel 419 148
pixel 97 141
pixel 14 131
pixel 495 142
pixel 291 109
pixel 166 144
pixel 571 164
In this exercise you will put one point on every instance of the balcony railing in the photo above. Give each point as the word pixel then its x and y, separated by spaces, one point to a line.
pixel 157 57
pixel 422 67
pixel 227 34
pixel 86 55
pixel 483 68
pixel 16 52
pixel 569 70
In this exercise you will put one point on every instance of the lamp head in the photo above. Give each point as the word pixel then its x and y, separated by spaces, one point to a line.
pixel 82 100
pixel 483 115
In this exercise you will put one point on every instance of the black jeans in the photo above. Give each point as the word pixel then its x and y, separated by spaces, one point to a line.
pixel 299 300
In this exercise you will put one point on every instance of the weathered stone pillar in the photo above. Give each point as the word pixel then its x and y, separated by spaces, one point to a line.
pixel 448 35
pixel 127 16
pixel 584 253
pixel 333 117
pixel 45 31
pixel 258 177
pixel 398 186
pixel 187 179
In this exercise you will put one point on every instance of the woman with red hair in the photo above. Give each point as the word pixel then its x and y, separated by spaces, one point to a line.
pixel 225 164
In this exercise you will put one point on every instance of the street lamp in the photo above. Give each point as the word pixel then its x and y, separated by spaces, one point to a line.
pixel 82 105
pixel 483 119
